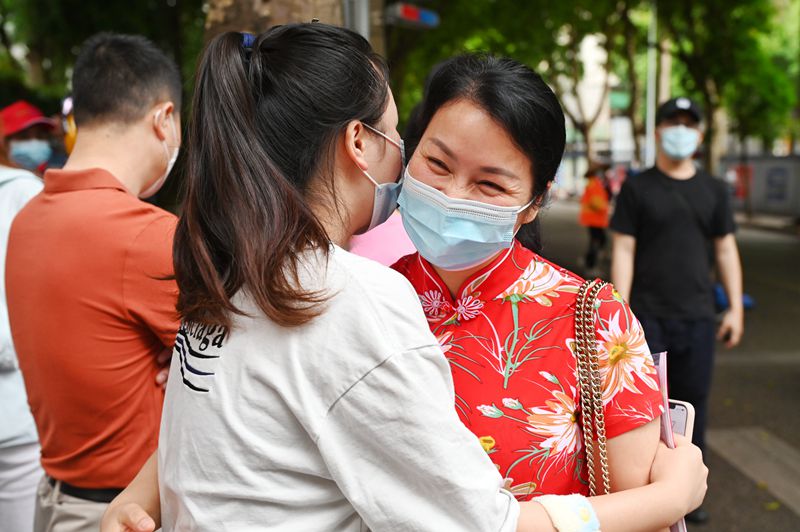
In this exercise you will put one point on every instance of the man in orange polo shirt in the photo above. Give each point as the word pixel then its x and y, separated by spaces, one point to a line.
pixel 90 301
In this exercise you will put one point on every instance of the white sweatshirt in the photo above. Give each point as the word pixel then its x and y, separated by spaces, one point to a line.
pixel 346 423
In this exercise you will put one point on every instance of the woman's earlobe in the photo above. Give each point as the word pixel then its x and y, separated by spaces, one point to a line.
pixel 530 215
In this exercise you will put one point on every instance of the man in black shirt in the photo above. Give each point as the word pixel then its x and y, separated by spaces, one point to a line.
pixel 671 224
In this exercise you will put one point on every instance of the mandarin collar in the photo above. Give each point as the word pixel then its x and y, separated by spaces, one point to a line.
pixel 488 282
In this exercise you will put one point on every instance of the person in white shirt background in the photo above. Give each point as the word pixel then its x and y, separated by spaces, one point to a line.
pixel 20 469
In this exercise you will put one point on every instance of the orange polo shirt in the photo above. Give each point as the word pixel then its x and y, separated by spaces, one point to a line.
pixel 90 311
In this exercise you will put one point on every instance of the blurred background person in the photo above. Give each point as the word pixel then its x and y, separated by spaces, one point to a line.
pixel 93 325
pixel 595 208
pixel 28 134
pixel 672 223
pixel 19 445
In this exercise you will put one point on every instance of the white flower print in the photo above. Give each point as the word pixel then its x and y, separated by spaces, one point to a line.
pixel 513 404
pixel 549 376
pixel 490 411
pixel 468 307
pixel 433 303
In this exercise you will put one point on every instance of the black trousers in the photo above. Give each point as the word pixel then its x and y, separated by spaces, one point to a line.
pixel 597 241
pixel 690 361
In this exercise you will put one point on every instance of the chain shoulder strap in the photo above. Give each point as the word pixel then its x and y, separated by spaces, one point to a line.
pixel 590 382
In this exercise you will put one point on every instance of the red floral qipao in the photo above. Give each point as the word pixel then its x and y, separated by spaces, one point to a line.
pixel 509 338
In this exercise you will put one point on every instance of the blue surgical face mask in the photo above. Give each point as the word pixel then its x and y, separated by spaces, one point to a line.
pixel 385 198
pixel 679 142
pixel 454 234
pixel 30 154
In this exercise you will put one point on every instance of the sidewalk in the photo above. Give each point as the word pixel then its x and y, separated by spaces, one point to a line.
pixel 754 426
pixel 767 222
pixel 782 224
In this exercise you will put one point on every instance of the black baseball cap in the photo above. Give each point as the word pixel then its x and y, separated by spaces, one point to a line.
pixel 674 106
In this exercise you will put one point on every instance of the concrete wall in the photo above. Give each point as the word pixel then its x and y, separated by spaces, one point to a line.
pixel 774 184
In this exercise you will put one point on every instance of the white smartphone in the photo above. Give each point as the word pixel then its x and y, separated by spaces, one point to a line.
pixel 682 415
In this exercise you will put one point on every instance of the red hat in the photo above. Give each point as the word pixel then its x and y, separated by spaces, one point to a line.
pixel 22 115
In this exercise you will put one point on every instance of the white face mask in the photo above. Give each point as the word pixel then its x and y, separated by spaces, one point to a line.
pixel 171 155
pixel 385 198
pixel 679 142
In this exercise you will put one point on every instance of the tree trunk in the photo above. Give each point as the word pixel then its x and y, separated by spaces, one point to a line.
pixel 377 30
pixel 586 131
pixel 256 16
pixel 580 118
pixel 35 68
pixel 664 85
pixel 766 146
pixel 714 121
pixel 632 111
pixel 718 141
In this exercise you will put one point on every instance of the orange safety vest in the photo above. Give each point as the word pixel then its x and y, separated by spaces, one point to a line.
pixel 594 204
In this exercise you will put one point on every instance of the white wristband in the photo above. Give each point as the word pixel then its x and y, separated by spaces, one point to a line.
pixel 570 513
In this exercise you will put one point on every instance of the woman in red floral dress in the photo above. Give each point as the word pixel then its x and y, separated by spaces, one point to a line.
pixel 492 140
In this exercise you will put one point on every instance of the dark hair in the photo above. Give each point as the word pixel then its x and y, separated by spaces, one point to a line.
pixel 118 78
pixel 261 136
pixel 596 169
pixel 518 99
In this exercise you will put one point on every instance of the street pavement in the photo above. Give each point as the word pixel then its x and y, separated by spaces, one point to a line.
pixel 754 425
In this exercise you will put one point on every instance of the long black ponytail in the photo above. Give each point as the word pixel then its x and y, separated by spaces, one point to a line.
pixel 265 116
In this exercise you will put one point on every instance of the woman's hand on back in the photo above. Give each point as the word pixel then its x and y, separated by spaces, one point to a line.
pixel 684 470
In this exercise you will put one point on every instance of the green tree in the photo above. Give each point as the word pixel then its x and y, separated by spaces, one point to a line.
pixel 761 100
pixel 782 49
pixel 602 20
pixel 629 63
pixel 759 104
pixel 712 39
pixel 500 26
pixel 53 30
pixel 551 45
